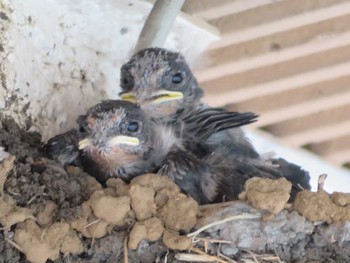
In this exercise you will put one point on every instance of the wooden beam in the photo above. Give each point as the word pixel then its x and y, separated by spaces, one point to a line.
pixel 272 58
pixel 231 33
pixel 317 135
pixel 339 158
pixel 303 109
pixel 293 82
pixel 209 9
pixel 331 146
pixel 327 117
pixel 279 41
pixel 278 71
pixel 285 98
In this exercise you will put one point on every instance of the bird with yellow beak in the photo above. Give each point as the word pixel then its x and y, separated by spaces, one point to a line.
pixel 114 142
pixel 117 138
pixel 160 82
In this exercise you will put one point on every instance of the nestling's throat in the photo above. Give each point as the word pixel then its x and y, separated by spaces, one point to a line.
pixel 112 159
pixel 162 109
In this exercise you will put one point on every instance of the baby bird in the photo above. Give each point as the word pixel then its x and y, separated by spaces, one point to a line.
pixel 117 139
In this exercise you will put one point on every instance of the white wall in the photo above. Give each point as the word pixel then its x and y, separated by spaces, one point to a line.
pixel 62 56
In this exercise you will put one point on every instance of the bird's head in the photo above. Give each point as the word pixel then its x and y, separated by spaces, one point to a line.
pixel 160 81
pixel 113 133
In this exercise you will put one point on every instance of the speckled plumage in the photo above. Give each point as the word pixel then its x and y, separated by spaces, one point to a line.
pixel 151 70
pixel 100 124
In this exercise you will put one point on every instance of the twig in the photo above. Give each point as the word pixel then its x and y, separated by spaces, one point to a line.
pixel 227 258
pixel 93 234
pixel 270 258
pixel 193 257
pixel 263 257
pixel 252 255
pixel 231 218
pixel 278 257
pixel 93 239
pixel 126 254
pixel 91 223
pixel 300 187
pixel 14 244
pixel 320 183
pixel 32 199
pixel 13 193
pixel 166 256
pixel 199 257
pixel 200 252
pixel 208 240
pixel 218 205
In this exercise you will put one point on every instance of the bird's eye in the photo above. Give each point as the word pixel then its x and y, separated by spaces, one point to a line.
pixel 125 81
pixel 177 78
pixel 82 129
pixel 132 126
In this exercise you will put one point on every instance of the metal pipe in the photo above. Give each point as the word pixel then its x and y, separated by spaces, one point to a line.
pixel 158 23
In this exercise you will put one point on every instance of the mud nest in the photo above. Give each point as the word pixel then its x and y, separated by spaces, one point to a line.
pixel 61 214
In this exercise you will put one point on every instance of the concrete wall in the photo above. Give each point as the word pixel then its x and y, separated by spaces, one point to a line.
pixel 60 57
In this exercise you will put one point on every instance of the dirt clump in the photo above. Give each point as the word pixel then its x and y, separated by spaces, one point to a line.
pixel 104 207
pixel 174 241
pixel 321 206
pixel 180 214
pixel 341 199
pixel 142 201
pixel 151 229
pixel 267 194
pixel 40 244
pixel 159 205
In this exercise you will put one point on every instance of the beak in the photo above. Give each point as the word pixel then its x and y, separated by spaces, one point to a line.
pixel 123 140
pixel 165 95
pixel 156 98
pixel 129 96
pixel 112 142
pixel 84 143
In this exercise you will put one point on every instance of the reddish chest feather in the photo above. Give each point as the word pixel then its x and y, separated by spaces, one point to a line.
pixel 113 159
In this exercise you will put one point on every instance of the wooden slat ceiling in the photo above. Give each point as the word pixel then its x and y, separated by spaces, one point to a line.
pixel 287 60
